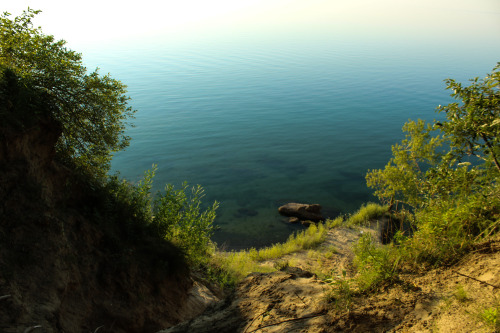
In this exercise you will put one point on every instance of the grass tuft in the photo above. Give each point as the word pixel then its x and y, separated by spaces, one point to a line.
pixel 365 213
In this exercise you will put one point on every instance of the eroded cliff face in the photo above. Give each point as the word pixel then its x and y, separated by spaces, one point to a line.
pixel 59 268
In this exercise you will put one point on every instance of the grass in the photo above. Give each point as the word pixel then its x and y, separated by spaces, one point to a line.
pixel 461 294
pixel 231 267
pixel 365 213
pixel 309 238
pixel 490 317
pixel 378 264
pixel 336 222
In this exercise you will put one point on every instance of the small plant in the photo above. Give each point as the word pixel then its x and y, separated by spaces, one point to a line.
pixel 461 294
pixel 342 293
pixel 281 265
pixel 490 317
pixel 376 263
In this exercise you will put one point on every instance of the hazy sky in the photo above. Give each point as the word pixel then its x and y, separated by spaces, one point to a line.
pixel 98 21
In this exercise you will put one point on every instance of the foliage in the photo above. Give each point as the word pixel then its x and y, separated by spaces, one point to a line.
pixel 404 177
pixel 375 263
pixel 175 214
pixel 473 127
pixel 179 218
pixel 447 174
pixel 92 109
pixel 366 213
pixel 135 199
pixel 342 293
pixel 21 106
pixel 490 317
pixel 461 294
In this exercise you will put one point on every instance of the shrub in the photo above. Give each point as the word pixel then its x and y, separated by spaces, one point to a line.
pixel 447 174
pixel 180 219
pixel 342 292
pixel 375 263
pixel 175 214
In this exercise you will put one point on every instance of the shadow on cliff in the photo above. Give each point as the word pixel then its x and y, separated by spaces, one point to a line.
pixel 72 257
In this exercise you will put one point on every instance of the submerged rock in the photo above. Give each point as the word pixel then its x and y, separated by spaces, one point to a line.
pixel 242 212
pixel 302 211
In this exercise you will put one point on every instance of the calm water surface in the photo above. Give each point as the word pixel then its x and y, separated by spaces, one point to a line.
pixel 262 124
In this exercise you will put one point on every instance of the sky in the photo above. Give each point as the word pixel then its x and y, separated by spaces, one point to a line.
pixel 99 22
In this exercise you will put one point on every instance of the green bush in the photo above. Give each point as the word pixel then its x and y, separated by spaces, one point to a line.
pixel 375 263
pixel 175 214
pixel 447 174
pixel 179 218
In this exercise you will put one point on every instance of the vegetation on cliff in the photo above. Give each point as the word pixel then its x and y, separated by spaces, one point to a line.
pixel 445 176
pixel 91 108
pixel 40 76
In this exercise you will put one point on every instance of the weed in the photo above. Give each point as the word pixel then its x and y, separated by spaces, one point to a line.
pixel 281 265
pixel 336 222
pixel 490 317
pixel 461 294
pixel 376 263
pixel 366 213
pixel 342 293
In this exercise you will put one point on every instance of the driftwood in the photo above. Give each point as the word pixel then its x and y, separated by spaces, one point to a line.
pixel 289 320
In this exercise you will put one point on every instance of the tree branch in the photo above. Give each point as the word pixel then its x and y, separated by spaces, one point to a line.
pixel 491 150
pixel 470 277
pixel 289 320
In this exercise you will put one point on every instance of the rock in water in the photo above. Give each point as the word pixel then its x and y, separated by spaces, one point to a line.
pixel 302 211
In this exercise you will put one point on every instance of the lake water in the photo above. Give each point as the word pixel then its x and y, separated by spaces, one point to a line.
pixel 262 123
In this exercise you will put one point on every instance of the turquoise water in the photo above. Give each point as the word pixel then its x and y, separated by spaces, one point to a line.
pixel 262 124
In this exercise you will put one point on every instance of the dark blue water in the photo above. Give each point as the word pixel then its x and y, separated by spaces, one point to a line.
pixel 262 124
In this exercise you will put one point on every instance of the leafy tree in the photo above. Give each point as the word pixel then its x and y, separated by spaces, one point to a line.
pixel 458 160
pixel 448 173
pixel 473 127
pixel 91 108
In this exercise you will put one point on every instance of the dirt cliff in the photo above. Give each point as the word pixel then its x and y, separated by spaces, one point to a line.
pixel 64 265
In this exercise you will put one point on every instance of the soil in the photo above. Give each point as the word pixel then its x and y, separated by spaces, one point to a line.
pixel 450 299
pixel 65 268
